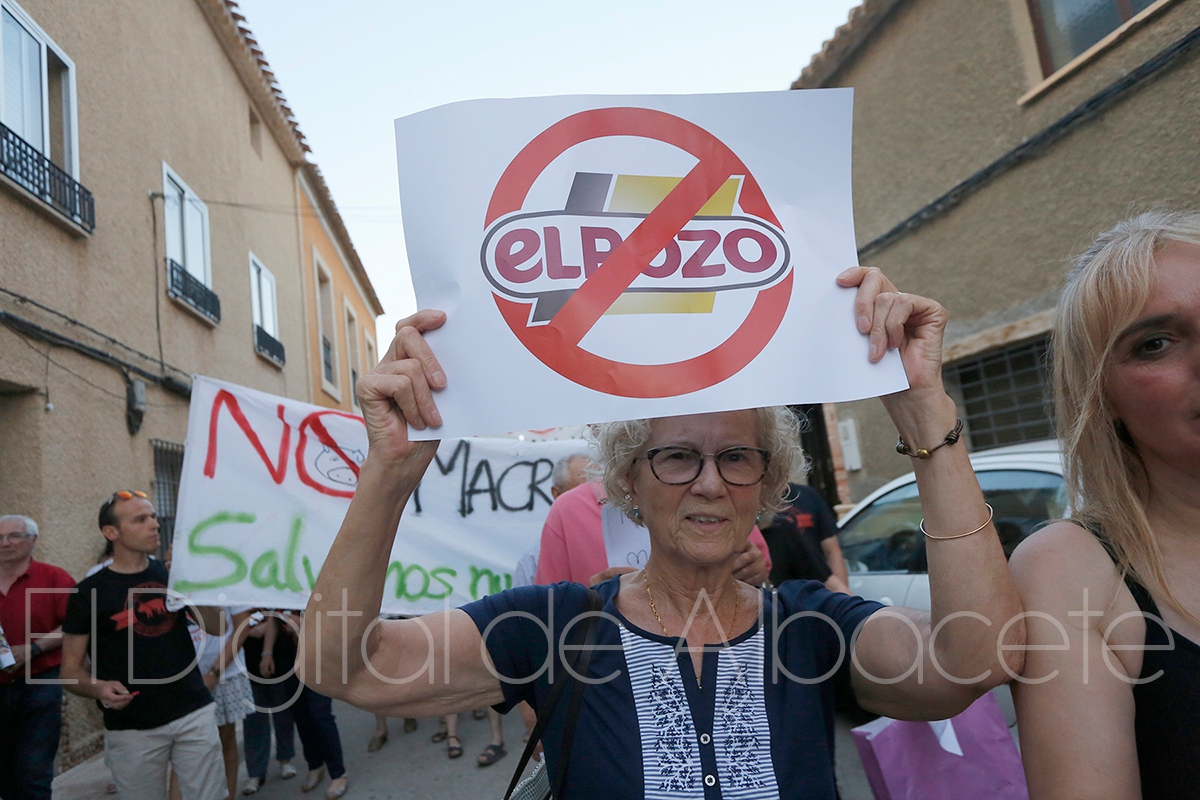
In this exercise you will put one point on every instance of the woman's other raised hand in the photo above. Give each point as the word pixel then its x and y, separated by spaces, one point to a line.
pixel 894 319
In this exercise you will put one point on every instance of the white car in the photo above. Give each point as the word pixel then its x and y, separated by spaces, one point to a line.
pixel 884 548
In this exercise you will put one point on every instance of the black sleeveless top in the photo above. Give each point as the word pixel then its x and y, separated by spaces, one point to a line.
pixel 1167 707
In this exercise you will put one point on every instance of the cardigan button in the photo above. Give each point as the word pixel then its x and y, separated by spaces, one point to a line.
pixel 705 738
pixel 710 780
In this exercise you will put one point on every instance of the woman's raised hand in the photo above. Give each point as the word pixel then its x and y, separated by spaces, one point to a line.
pixel 399 391
pixel 895 319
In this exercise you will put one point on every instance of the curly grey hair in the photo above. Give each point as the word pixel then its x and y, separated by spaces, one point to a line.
pixel 621 444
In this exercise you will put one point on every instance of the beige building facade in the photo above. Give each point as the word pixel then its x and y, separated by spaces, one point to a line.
pixel 992 141
pixel 157 218
pixel 339 301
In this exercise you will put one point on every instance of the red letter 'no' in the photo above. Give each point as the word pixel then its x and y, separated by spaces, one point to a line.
pixel 235 411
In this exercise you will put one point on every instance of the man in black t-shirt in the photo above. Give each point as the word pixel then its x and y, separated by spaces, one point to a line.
pixel 803 541
pixel 156 707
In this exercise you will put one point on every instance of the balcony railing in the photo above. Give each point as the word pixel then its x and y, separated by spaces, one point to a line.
pixel 268 346
pixel 26 166
pixel 182 285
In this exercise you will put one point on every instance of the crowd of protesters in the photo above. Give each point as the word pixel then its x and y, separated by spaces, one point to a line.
pixel 174 733
pixel 226 665
pixel 1128 410
pixel 197 672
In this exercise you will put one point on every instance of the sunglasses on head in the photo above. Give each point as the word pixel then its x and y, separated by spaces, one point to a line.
pixel 126 494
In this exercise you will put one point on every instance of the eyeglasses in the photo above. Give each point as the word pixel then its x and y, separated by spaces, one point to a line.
pixel 15 538
pixel 737 466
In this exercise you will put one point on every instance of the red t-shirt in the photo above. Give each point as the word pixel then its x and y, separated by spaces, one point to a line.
pixel 46 612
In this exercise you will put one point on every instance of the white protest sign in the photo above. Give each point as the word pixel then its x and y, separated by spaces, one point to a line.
pixel 604 258
pixel 266 482
pixel 625 544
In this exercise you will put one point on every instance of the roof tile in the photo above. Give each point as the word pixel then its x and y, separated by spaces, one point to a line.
pixel 835 52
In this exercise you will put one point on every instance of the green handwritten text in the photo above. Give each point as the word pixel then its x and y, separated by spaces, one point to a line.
pixel 238 564
pixel 407 578
pixel 265 572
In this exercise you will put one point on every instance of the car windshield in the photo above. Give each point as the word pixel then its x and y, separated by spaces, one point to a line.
pixel 885 537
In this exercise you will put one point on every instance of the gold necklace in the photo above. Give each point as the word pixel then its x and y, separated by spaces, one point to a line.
pixel 737 602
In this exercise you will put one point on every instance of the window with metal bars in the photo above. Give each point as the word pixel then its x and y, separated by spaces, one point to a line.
pixel 168 468
pixel 1005 394
pixel 37 90
pixel 38 128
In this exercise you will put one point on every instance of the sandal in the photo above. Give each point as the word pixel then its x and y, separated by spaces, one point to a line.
pixel 491 754
pixel 377 741
pixel 453 750
pixel 410 724
pixel 440 736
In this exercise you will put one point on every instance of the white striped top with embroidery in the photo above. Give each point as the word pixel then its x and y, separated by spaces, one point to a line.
pixel 670 744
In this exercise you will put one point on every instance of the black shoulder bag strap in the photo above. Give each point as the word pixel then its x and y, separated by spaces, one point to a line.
pixel 584 635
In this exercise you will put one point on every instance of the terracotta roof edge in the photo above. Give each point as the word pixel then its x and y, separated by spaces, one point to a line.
pixel 242 50
pixel 863 20
pixel 227 24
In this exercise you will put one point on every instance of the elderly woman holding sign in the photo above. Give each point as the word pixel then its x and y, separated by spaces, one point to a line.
pixel 696 684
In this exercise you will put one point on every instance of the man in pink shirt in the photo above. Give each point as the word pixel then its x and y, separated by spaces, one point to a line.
pixel 573 543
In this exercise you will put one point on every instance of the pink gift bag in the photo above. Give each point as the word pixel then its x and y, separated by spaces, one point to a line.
pixel 968 757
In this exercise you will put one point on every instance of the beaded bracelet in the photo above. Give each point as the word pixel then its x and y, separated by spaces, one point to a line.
pixel 986 522
pixel 953 436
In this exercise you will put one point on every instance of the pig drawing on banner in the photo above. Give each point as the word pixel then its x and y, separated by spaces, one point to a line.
pixel 266 482
pixel 331 466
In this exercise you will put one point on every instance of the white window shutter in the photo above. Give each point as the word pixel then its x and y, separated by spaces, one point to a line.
pixel 256 292
pixel 173 219
pixel 270 316
pixel 23 110
pixel 195 238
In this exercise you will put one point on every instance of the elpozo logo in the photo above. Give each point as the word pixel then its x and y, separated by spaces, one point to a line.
pixel 633 244
pixel 546 256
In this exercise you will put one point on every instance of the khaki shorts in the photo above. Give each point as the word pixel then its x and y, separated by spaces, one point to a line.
pixel 138 759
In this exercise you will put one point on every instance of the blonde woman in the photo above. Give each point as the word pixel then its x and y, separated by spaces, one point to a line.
pixel 1110 708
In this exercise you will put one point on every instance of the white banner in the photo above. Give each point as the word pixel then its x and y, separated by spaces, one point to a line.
pixel 604 258
pixel 267 480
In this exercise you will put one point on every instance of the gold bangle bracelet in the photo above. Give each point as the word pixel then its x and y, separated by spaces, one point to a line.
pixel 986 522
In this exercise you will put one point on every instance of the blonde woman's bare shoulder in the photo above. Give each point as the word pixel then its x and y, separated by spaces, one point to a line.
pixel 1063 557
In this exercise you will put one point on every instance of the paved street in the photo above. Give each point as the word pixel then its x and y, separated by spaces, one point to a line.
pixel 410 766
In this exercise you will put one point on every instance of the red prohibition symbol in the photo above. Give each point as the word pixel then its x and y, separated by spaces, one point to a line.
pixel 557 344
